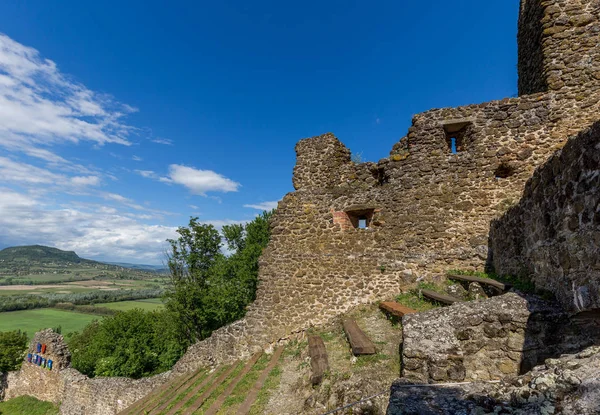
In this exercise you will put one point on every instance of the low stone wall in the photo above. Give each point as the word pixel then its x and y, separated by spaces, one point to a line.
pixel 566 386
pixel 75 393
pixel 553 235
pixel 486 340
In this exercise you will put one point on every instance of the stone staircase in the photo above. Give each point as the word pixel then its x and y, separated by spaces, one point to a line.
pixel 232 389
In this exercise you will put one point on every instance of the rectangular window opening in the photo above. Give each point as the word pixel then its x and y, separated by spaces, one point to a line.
pixel 457 134
pixel 360 218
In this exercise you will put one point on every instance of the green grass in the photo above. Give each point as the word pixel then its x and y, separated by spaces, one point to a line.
pixel 413 299
pixel 149 304
pixel 519 283
pixel 27 405
pixel 239 393
pixel 271 384
pixel 32 321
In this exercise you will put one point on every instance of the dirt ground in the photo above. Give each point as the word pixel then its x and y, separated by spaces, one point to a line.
pixel 350 378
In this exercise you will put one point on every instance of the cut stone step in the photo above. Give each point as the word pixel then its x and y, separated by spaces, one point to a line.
pixel 197 403
pixel 244 409
pixel 158 394
pixel 359 341
pixel 214 408
pixel 442 298
pixel 487 281
pixel 190 394
pixel 396 309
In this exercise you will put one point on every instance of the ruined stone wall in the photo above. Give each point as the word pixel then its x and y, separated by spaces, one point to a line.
pixel 428 210
pixel 75 393
pixel 553 235
pixel 487 340
pixel 559 44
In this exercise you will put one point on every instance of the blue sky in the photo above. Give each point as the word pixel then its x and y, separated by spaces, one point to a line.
pixel 120 120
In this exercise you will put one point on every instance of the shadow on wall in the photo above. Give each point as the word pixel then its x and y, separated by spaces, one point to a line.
pixel 552 334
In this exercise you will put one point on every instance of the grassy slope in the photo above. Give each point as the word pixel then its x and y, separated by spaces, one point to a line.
pixel 32 321
pixel 27 405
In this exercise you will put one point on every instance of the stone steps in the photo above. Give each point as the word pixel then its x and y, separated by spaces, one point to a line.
pixel 207 393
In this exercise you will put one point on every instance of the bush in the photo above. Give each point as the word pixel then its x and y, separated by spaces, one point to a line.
pixel 133 343
pixel 13 345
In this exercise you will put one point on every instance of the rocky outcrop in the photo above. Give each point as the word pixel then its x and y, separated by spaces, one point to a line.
pixel 569 385
pixel 553 235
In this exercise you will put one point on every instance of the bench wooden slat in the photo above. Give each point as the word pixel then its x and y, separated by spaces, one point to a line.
pixel 396 309
pixel 470 278
pixel 318 359
pixel 359 341
pixel 442 298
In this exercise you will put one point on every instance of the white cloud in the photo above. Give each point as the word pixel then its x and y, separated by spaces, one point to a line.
pixel 26 174
pixel 149 174
pixel 103 233
pixel 263 205
pixel 194 207
pixel 39 106
pixel 136 158
pixel 164 141
pixel 85 180
pixel 199 181
pixel 93 231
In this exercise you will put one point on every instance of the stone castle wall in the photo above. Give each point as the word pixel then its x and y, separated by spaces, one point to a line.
pixel 76 393
pixel 427 210
pixel 553 234
pixel 559 44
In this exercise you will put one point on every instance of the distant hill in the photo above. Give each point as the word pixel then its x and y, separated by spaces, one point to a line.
pixel 142 267
pixel 40 253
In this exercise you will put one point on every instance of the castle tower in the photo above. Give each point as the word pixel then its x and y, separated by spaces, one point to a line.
pixel 559 45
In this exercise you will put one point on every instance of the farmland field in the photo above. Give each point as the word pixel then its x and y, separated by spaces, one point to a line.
pixel 148 305
pixel 31 321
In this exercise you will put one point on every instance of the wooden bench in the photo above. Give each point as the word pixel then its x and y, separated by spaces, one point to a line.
pixel 359 341
pixel 396 309
pixel 487 281
pixel 441 298
pixel 318 359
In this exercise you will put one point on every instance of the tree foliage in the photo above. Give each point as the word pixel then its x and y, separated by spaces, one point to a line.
pixel 208 288
pixel 13 345
pixel 132 343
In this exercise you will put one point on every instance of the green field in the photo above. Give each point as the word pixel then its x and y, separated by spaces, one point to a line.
pixel 32 321
pixel 148 305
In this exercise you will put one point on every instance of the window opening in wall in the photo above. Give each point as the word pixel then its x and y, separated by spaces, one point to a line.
pixel 360 218
pixel 453 145
pixel 457 132
pixel 362 222
pixel 503 171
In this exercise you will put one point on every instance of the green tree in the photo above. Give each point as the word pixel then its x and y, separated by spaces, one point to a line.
pixel 191 260
pixel 13 345
pixel 208 289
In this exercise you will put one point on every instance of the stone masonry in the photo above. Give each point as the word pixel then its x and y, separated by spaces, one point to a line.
pixel 489 339
pixel 427 210
pixel 76 393
pixel 569 385
pixel 553 234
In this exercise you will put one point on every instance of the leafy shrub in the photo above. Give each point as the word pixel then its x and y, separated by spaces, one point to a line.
pixel 13 345
pixel 133 343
